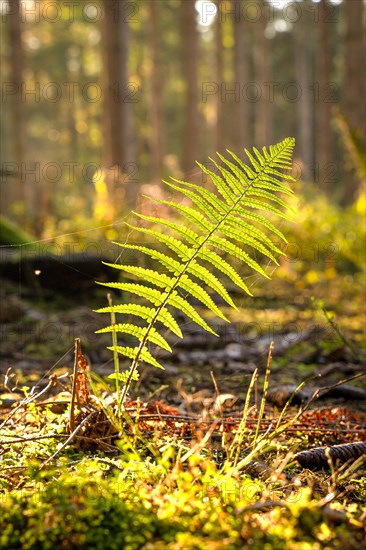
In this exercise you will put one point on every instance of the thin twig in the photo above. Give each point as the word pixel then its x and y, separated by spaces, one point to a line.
pixel 73 391
pixel 325 389
pixel 115 354
pixel 69 439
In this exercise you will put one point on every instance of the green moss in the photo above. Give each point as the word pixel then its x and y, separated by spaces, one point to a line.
pixel 89 508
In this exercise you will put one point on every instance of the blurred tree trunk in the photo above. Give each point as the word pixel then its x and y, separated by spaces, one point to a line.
pixel 15 188
pixel 220 127
pixel 156 95
pixel 118 151
pixel 323 141
pixel 189 36
pixel 354 84
pixel 241 122
pixel 262 74
pixel 302 35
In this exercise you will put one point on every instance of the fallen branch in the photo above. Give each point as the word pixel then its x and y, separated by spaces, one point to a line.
pixel 320 457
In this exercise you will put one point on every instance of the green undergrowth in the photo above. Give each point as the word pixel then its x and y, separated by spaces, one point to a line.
pixel 148 504
pixel 165 492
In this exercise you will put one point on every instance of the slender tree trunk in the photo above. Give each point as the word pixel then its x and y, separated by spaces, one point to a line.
pixel 302 58
pixel 19 190
pixel 112 111
pixel 355 65
pixel 189 34
pixel 118 152
pixel 323 140
pixel 241 122
pixel 156 95
pixel 220 126
pixel 263 112
pixel 354 85
pixel 129 96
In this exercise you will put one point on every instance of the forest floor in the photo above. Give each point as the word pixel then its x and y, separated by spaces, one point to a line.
pixel 179 476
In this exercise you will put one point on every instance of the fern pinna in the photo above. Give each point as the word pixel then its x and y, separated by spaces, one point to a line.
pixel 228 222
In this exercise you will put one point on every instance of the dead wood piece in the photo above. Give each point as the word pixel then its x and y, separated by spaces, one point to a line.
pixel 318 458
pixel 69 273
pixel 80 392
pixel 280 395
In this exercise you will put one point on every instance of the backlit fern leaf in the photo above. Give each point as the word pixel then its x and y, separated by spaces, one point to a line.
pixel 175 267
pixel 213 235
pixel 146 313
pixel 139 333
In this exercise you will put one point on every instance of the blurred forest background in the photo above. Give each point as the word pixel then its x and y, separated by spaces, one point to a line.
pixel 101 100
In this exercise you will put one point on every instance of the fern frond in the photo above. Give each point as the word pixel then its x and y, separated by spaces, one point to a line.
pixel 139 332
pixel 208 202
pixel 243 228
pixel 151 294
pixel 198 270
pixel 236 252
pixel 141 353
pixel 182 251
pixel 235 178
pixel 222 265
pixel 267 180
pixel 166 261
pixel 222 186
pixel 210 236
pixel 150 314
pixel 163 281
pixel 210 280
pixel 191 214
pixel 257 191
pixel 258 219
pixel 191 236
pixel 232 232
pixel 150 275
pixel 260 205
pixel 171 296
pixel 181 304
pixel 200 294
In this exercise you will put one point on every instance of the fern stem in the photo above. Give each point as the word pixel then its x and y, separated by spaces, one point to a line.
pixel 115 355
